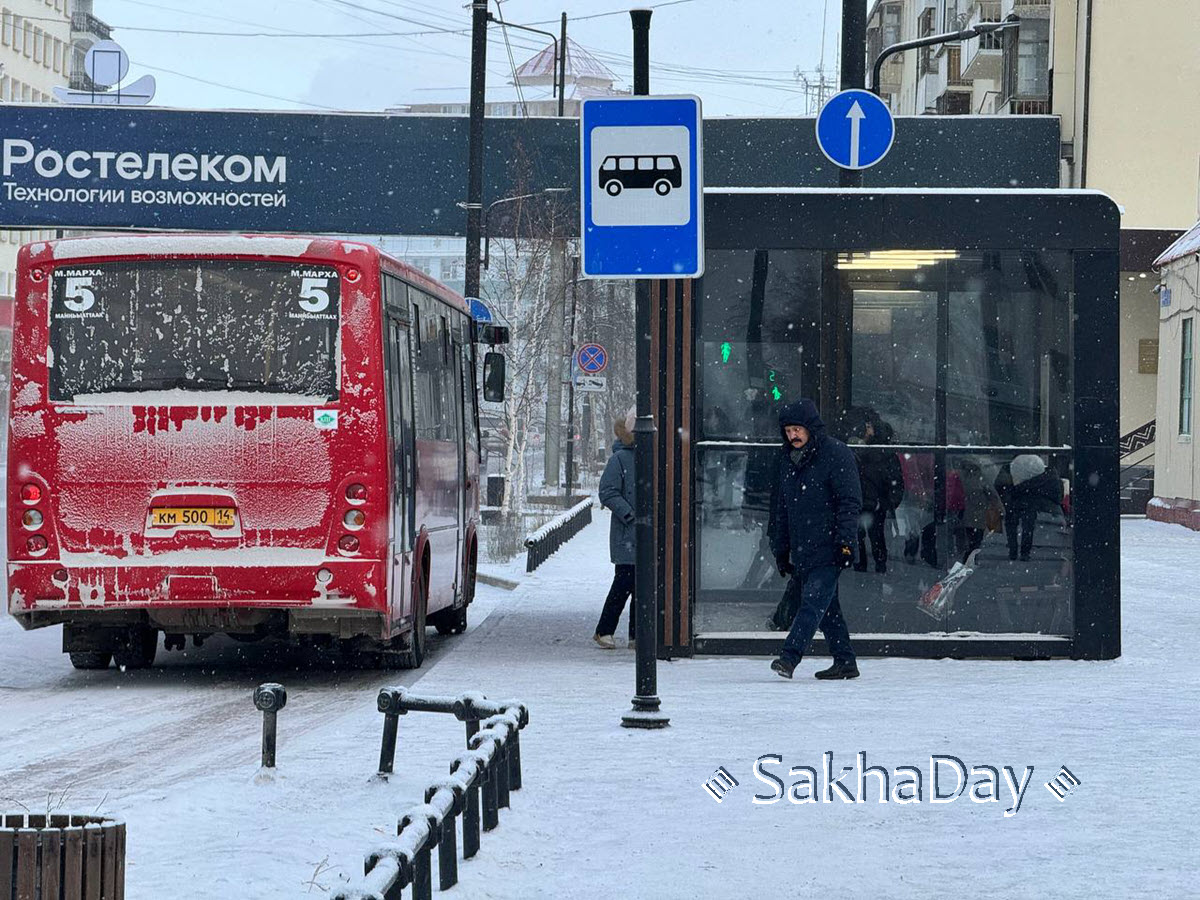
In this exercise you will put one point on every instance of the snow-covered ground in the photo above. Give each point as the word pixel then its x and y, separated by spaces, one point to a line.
pixel 605 810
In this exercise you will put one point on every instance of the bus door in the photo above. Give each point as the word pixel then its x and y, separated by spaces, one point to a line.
pixel 400 407
pixel 464 474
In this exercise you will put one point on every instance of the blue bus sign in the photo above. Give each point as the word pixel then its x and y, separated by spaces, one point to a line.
pixel 642 188
pixel 855 129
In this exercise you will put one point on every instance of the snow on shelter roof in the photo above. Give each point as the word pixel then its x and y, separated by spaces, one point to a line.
pixel 1186 245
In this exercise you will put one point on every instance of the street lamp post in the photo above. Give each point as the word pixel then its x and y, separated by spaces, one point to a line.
pixel 487 212
pixel 1010 21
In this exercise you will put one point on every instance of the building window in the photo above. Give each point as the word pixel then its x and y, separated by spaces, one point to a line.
pixel 6 28
pixel 1185 379
pixel 1027 61
pixel 950 21
pixel 891 24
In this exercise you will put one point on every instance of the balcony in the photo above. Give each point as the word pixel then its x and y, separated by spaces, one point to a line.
pixel 1039 9
pixel 86 24
pixel 983 56
pixel 948 78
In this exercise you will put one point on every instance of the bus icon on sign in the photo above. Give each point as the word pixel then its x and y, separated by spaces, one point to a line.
pixel 635 172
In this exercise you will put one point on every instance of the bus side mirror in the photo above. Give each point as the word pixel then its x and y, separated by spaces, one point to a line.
pixel 493 377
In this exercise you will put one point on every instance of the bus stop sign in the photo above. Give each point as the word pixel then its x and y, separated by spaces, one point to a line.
pixel 641 188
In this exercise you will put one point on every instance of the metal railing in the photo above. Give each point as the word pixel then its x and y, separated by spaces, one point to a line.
pixel 540 545
pixel 1138 439
pixel 477 789
pixel 89 24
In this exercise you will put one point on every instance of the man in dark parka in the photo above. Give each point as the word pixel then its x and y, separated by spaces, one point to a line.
pixel 818 502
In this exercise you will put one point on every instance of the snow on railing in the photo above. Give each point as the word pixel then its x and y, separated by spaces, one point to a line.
pixel 540 545
pixel 478 788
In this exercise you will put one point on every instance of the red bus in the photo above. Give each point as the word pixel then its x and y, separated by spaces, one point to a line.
pixel 248 435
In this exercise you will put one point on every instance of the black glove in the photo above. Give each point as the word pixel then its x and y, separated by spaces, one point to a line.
pixel 783 563
pixel 629 518
pixel 844 557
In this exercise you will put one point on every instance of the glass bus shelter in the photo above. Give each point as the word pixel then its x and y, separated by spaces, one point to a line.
pixel 964 344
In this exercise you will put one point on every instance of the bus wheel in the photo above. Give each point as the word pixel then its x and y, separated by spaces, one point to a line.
pixel 143 645
pixel 414 654
pixel 451 621
pixel 90 659
pixel 613 188
pixel 662 187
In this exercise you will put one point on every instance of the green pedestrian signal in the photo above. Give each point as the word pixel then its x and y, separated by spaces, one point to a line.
pixel 726 349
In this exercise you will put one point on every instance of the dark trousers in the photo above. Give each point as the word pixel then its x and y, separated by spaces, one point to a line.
pixel 614 603
pixel 1026 518
pixel 818 607
pixel 875 530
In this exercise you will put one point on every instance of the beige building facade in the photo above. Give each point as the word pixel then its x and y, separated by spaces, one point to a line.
pixel 1116 68
pixel 1177 462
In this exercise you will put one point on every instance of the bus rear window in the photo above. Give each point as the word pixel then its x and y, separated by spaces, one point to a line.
pixel 194 325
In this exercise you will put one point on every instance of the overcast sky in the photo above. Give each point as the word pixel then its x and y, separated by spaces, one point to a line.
pixel 738 55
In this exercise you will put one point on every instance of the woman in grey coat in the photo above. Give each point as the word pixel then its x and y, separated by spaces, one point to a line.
pixel 616 493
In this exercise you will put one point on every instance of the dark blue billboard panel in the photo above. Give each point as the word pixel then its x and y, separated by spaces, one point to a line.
pixel 81 167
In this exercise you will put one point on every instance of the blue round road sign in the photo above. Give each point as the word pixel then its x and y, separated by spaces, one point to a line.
pixel 592 359
pixel 855 129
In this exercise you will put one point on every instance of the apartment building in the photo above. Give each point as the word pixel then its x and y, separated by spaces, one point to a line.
pixel 1108 69
pixel 42 46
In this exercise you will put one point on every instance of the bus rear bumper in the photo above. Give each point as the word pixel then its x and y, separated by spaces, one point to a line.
pixel 38 595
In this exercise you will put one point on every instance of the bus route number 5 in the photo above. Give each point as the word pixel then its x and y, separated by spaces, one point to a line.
pixel 314 294
pixel 80 297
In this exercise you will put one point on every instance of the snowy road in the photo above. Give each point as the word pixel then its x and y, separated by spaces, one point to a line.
pixel 605 810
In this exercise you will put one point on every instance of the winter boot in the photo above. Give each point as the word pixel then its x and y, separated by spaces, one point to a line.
pixel 838 671
pixel 605 641
pixel 783 668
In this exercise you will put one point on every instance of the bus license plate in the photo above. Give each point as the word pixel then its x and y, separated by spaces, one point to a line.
pixel 204 517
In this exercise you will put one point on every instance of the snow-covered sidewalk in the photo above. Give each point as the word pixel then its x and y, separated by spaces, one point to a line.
pixel 605 810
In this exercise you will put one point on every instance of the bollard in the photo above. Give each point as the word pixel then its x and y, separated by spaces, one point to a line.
pixel 391 704
pixel 470 809
pixel 270 698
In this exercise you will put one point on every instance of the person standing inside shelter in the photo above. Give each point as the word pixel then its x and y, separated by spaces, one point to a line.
pixel 818 503
pixel 617 494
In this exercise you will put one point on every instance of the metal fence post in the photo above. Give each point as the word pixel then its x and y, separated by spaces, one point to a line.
pixel 470 809
pixel 391 704
pixel 448 839
pixel 270 698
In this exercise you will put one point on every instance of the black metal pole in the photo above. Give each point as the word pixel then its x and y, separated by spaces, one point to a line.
pixel 562 64
pixel 854 65
pixel 645 712
pixel 479 20
pixel 569 480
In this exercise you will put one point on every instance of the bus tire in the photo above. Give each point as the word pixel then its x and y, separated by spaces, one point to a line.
pixel 613 188
pixel 413 655
pixel 143 645
pixel 662 187
pixel 90 659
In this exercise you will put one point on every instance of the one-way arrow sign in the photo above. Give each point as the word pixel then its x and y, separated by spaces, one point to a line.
pixel 855 129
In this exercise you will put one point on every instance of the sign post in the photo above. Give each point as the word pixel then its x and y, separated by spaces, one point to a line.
pixel 642 217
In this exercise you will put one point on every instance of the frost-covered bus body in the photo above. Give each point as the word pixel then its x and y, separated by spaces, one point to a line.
pixel 252 435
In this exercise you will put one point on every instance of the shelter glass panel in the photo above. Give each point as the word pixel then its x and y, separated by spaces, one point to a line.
pixel 947 373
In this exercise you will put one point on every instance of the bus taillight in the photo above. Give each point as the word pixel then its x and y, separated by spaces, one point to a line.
pixel 356 493
pixel 36 544
pixel 354 518
pixel 347 543
pixel 59 576
pixel 31 493
pixel 32 520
